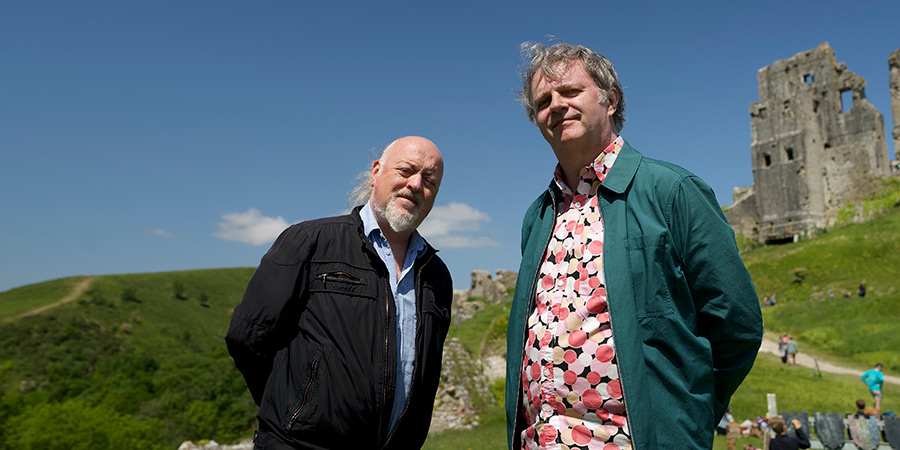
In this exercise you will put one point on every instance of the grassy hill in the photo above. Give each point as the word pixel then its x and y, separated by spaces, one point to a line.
pixel 138 361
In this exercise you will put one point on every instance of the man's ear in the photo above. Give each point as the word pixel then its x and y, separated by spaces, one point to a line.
pixel 376 167
pixel 613 101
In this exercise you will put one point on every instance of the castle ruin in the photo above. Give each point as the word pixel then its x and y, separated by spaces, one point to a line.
pixel 817 144
pixel 894 64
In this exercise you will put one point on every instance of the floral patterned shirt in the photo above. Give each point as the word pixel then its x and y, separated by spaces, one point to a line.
pixel 571 392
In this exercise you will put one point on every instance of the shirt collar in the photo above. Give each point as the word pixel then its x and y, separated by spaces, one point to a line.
pixel 596 170
pixel 373 231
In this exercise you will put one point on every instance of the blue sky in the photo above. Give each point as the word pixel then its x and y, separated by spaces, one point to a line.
pixel 157 136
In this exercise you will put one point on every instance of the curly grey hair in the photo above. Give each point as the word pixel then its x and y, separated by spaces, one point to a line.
pixel 555 59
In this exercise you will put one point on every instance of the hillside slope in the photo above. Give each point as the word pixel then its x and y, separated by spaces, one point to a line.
pixel 139 360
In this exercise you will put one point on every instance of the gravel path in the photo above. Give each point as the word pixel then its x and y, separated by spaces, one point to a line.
pixel 802 359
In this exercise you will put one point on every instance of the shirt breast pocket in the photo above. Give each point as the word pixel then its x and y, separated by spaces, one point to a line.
pixel 338 277
pixel 650 283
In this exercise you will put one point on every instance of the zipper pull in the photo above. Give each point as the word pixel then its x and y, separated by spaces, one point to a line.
pixel 324 277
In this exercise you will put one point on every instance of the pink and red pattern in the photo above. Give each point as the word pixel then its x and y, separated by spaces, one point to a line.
pixel 572 395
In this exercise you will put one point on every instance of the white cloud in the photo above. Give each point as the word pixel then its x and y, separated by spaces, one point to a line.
pixel 250 227
pixel 162 233
pixel 451 226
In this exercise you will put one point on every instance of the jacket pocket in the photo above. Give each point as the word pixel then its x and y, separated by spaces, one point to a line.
pixel 341 278
pixel 649 278
pixel 306 390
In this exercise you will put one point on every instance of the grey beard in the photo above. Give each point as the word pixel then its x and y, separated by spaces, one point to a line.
pixel 398 219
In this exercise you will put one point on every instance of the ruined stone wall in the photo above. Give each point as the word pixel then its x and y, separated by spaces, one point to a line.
pixel 742 214
pixel 811 154
pixel 894 64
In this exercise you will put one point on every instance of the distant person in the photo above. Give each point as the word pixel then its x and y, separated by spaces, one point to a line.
pixel 340 332
pixel 722 427
pixel 860 409
pixel 760 426
pixel 784 442
pixel 874 378
pixel 634 319
pixel 791 349
pixel 862 290
pixel 782 347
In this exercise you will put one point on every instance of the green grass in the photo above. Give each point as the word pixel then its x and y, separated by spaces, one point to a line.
pixel 855 332
pixel 839 261
pixel 485 329
pixel 489 435
pixel 127 351
pixel 20 300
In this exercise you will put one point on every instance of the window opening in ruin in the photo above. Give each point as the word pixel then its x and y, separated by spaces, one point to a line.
pixel 767 160
pixel 790 226
pixel 771 229
pixel 846 100
pixel 815 106
pixel 789 154
pixel 808 78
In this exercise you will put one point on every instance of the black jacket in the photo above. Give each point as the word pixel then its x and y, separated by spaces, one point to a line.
pixel 785 442
pixel 314 337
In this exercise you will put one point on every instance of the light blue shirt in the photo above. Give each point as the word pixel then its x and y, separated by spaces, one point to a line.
pixel 404 300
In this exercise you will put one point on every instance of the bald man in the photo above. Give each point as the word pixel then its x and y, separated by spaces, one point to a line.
pixel 340 332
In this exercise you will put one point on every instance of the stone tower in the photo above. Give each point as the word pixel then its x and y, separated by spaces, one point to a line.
pixel 894 64
pixel 811 152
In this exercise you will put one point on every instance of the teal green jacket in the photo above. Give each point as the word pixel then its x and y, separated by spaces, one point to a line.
pixel 683 310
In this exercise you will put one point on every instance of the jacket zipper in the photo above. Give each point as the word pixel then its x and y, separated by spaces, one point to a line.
pixel 537 272
pixel 336 276
pixel 415 353
pixel 387 315
pixel 312 378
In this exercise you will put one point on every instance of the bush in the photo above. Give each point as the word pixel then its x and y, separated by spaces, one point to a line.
pixel 75 425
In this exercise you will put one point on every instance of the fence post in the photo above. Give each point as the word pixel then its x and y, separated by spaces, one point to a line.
pixel 772 405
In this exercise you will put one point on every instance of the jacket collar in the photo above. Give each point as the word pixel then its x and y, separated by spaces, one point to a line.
pixel 360 226
pixel 622 172
pixel 619 176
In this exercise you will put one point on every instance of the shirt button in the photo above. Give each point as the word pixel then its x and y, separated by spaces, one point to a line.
pixel 561 282
pixel 578 204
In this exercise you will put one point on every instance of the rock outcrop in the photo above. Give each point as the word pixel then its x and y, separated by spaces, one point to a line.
pixel 484 290
pixel 461 380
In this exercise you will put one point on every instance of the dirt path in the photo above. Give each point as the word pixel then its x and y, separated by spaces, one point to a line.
pixel 76 291
pixel 802 359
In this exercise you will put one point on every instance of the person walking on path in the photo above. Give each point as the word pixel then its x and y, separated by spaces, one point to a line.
pixel 782 342
pixel 791 349
pixel 874 378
